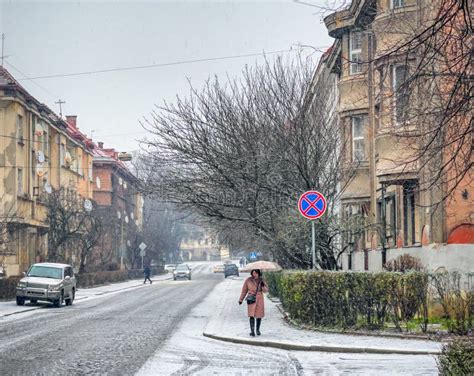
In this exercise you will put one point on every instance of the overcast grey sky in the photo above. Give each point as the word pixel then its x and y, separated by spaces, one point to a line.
pixel 49 38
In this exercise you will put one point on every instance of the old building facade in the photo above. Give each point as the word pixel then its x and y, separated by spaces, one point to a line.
pixel 39 151
pixel 121 206
pixel 385 183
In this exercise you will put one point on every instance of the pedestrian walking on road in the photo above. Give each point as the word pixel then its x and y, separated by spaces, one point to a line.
pixel 147 272
pixel 252 292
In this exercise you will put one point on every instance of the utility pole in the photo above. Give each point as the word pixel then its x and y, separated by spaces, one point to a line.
pixel 60 102
pixel 3 47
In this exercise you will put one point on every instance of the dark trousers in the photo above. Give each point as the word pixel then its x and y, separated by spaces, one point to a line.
pixel 147 277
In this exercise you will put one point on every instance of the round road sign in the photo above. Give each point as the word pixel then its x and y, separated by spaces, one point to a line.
pixel 312 204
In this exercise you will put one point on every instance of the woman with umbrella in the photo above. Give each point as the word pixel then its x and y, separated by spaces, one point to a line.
pixel 253 288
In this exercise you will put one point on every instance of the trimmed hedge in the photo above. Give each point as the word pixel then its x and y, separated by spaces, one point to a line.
pixel 351 299
pixel 457 358
pixel 8 287
pixel 103 277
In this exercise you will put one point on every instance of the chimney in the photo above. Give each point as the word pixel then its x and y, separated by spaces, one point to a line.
pixel 101 145
pixel 72 120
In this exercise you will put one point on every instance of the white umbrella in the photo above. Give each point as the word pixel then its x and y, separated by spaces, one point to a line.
pixel 262 265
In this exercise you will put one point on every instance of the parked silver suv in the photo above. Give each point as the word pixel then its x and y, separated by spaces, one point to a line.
pixel 47 281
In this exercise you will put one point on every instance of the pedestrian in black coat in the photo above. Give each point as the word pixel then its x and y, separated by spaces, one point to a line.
pixel 147 272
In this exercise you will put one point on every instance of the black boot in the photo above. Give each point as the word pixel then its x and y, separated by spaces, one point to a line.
pixel 252 325
pixel 259 321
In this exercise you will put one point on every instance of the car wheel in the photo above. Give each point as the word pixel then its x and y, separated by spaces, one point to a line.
pixel 34 301
pixel 174 279
pixel 59 302
pixel 20 301
pixel 70 300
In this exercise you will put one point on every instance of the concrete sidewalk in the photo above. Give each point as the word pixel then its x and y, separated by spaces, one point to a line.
pixel 8 308
pixel 230 323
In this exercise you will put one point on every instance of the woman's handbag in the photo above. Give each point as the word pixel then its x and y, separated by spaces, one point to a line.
pixel 251 298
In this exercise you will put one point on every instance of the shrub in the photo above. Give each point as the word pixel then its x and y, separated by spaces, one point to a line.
pixel 8 287
pixel 348 299
pixel 457 303
pixel 457 358
pixel 404 263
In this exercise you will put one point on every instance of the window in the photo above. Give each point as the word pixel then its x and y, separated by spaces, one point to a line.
pixel 68 272
pixel 91 173
pixel 355 52
pixel 400 94
pixel 409 204
pixel 397 3
pixel 62 154
pixel 387 218
pixel 19 129
pixel 358 142
pixel 20 181
pixel 79 165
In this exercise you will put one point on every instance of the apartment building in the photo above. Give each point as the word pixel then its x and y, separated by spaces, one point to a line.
pixel 120 203
pixel 385 183
pixel 39 151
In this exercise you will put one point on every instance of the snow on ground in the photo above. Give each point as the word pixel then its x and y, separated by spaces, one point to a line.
pixel 188 352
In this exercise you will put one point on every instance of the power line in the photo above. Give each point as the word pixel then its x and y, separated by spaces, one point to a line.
pixel 164 64
pixel 31 79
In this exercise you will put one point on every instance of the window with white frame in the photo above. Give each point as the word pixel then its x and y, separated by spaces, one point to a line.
pixel 20 181
pixel 91 172
pixel 397 3
pixel 62 154
pixel 358 141
pixel 355 52
pixel 19 129
pixel 400 93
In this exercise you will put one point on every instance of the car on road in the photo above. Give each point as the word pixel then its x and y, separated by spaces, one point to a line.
pixel 182 271
pixel 170 267
pixel 49 282
pixel 231 269
pixel 218 268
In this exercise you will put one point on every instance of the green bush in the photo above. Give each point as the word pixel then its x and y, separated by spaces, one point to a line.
pixel 103 277
pixel 457 302
pixel 351 299
pixel 457 358
pixel 8 287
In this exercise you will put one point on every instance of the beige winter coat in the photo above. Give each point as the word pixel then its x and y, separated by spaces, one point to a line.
pixel 250 287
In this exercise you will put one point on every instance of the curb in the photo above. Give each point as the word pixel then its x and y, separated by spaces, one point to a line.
pixel 320 348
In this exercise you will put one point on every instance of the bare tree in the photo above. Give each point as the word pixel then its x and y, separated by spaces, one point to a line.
pixel 239 153
pixel 8 221
pixel 433 99
pixel 70 226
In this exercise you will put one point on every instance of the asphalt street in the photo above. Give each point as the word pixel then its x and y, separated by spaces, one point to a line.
pixel 157 330
pixel 112 335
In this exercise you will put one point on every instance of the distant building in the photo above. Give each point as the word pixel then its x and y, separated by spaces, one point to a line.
pixel 199 245
pixel 121 205
pixel 39 152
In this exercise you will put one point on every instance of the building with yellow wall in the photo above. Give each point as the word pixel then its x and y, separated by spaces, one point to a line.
pixel 385 183
pixel 39 151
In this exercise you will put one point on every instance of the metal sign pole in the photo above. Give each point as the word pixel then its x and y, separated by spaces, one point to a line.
pixel 312 205
pixel 313 246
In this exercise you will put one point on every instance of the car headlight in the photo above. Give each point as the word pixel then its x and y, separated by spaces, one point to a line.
pixel 22 284
pixel 54 287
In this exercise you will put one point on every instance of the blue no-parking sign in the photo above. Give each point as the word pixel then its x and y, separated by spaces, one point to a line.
pixel 312 204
